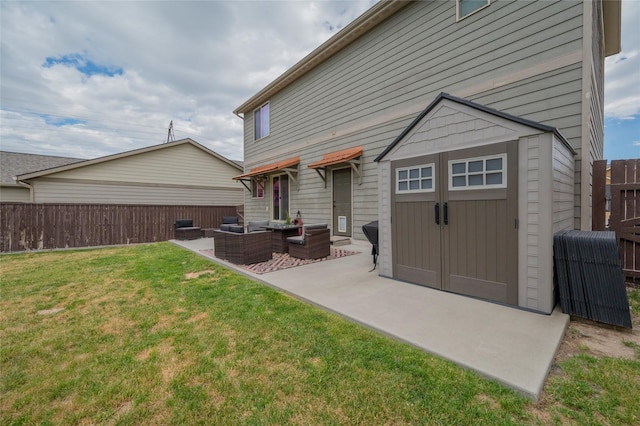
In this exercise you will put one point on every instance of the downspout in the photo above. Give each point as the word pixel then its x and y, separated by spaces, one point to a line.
pixel 26 185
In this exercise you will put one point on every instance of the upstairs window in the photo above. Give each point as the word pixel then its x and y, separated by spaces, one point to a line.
pixel 478 173
pixel 261 121
pixel 465 8
pixel 415 179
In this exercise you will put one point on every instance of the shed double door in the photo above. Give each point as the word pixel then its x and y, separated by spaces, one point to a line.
pixel 454 221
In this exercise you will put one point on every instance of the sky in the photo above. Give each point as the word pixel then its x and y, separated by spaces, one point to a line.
pixel 87 79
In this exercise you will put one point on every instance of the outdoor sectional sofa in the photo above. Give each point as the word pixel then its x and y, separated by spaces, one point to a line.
pixel 314 243
pixel 184 230
pixel 241 248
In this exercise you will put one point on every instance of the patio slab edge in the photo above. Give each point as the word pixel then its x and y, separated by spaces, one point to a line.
pixel 530 386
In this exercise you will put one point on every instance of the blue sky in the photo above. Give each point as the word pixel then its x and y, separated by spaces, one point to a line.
pixel 622 138
pixel 83 64
pixel 87 79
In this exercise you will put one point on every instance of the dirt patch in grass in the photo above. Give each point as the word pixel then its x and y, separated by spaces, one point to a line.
pixel 598 340
pixel 489 401
pixel 144 355
pixel 198 317
pixel 49 311
pixel 116 326
pixel 165 322
pixel 194 275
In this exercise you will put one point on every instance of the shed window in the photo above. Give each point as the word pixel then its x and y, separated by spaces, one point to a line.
pixel 261 121
pixel 478 173
pixel 415 179
pixel 465 8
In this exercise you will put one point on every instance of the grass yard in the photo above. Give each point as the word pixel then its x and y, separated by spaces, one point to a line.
pixel 154 334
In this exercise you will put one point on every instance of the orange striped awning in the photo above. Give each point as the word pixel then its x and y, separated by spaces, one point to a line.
pixel 337 157
pixel 270 168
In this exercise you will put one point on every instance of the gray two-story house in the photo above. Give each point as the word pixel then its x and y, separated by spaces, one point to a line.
pixel 441 102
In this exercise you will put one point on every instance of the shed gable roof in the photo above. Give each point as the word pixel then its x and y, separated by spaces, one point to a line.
pixel 420 126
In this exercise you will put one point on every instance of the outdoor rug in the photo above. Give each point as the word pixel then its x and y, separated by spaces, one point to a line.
pixel 284 261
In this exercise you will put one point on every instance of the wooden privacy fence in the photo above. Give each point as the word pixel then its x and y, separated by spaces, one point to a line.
pixel 624 219
pixel 47 226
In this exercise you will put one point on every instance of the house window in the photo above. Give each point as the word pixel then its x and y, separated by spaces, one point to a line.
pixel 415 179
pixel 261 121
pixel 478 173
pixel 257 188
pixel 465 8
pixel 280 202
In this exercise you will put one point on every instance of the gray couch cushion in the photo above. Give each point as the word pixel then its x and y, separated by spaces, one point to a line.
pixel 238 229
pixel 225 227
pixel 296 240
pixel 231 220
pixel 257 225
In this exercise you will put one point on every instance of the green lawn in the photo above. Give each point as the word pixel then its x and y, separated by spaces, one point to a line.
pixel 153 334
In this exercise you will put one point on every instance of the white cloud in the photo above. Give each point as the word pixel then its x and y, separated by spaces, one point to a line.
pixel 190 62
pixel 622 71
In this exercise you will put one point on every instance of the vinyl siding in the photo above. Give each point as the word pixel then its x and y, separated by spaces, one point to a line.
pixel 182 164
pixel 178 175
pixel 14 194
pixel 546 177
pixel 596 97
pixel 384 221
pixel 563 177
pixel 60 191
pixel 534 219
pixel 370 91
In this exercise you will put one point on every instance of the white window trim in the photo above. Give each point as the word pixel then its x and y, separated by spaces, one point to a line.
pixel 254 121
pixel 484 173
pixel 419 167
pixel 271 178
pixel 460 18
pixel 258 183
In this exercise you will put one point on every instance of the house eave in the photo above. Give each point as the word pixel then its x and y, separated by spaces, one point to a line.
pixel 368 20
pixel 612 17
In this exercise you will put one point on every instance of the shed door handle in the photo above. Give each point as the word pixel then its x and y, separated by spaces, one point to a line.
pixel 437 212
pixel 446 214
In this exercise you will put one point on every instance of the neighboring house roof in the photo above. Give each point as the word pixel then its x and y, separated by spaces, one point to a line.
pixel 495 112
pixel 373 17
pixel 27 176
pixel 13 164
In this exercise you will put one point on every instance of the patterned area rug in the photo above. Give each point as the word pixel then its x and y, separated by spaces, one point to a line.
pixel 284 261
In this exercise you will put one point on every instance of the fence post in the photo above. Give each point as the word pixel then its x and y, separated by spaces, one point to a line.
pixel 598 209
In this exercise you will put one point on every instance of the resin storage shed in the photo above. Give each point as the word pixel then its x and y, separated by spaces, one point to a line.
pixel 469 201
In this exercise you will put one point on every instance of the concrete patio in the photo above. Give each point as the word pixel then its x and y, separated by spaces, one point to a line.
pixel 511 346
